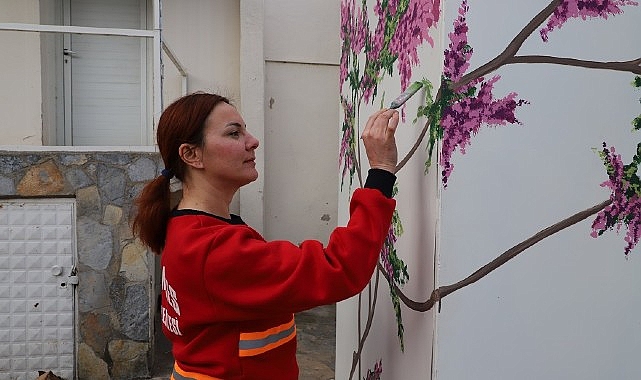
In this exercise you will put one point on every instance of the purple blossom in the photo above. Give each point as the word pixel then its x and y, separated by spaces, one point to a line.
pixel 375 374
pixel 354 32
pixel 347 11
pixel 626 205
pixel 464 112
pixel 388 245
pixel 375 48
pixel 458 53
pixel 413 29
pixel 583 8
pixel 361 31
pixel 368 86
pixel 389 42
pixel 463 118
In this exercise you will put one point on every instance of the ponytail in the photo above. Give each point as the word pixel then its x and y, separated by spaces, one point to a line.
pixel 150 222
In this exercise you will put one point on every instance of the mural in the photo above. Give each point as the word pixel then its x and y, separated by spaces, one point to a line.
pixel 369 55
pixel 455 108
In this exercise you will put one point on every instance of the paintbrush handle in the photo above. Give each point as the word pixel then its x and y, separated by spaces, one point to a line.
pixel 402 98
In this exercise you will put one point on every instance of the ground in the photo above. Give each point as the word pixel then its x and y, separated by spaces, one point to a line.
pixel 316 329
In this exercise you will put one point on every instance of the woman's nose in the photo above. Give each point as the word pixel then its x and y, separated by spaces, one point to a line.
pixel 252 142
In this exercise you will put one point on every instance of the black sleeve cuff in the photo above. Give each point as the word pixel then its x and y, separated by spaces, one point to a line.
pixel 382 180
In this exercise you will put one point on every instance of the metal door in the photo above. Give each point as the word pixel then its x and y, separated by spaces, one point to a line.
pixel 37 292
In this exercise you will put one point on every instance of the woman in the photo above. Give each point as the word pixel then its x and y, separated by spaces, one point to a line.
pixel 229 296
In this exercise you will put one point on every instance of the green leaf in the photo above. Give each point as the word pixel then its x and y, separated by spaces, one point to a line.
pixel 399 274
pixel 424 110
pixel 400 329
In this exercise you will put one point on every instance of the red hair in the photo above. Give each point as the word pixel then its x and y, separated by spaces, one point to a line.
pixel 181 122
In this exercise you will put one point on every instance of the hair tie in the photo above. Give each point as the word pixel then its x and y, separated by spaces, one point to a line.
pixel 167 173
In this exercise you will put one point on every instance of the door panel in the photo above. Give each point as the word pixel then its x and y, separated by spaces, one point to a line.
pixel 106 75
pixel 37 244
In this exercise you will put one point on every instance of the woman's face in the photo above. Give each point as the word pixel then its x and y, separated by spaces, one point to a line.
pixel 228 152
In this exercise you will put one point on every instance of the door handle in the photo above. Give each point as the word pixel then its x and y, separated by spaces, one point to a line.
pixel 56 270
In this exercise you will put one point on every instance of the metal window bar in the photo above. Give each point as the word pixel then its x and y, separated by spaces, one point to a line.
pixel 140 33
pixel 178 65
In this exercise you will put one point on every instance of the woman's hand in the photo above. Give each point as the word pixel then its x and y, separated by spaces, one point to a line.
pixel 379 141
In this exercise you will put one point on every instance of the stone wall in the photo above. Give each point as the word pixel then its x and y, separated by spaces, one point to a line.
pixel 115 293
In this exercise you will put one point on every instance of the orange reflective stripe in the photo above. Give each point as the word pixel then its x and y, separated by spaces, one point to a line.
pixel 256 343
pixel 268 332
pixel 180 374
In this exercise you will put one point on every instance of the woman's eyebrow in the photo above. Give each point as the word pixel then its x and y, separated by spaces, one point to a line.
pixel 234 124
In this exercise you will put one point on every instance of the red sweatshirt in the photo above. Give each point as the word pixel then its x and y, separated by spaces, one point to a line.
pixel 229 296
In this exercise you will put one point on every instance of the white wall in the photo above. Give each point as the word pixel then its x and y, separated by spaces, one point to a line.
pixel 205 36
pixel 301 142
pixel 20 89
pixel 567 308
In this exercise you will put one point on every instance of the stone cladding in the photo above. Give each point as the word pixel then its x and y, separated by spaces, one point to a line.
pixel 115 294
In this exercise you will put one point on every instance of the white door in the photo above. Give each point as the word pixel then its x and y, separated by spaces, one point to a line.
pixel 37 245
pixel 105 76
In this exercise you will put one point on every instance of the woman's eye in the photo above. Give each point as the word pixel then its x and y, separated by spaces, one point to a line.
pixel 235 134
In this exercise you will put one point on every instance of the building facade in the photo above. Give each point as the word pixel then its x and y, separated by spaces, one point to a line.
pixel 80 97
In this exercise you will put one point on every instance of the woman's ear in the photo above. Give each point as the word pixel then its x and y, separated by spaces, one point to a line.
pixel 191 155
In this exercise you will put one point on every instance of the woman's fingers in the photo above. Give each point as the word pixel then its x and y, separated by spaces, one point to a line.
pixel 371 121
pixel 379 141
pixel 392 123
pixel 381 123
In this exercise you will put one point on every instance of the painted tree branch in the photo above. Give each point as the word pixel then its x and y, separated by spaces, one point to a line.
pixel 420 138
pixel 500 60
pixel 356 356
pixel 508 56
pixel 632 66
pixel 512 48
pixel 441 292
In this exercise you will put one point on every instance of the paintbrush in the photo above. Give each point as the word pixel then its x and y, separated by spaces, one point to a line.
pixel 402 98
